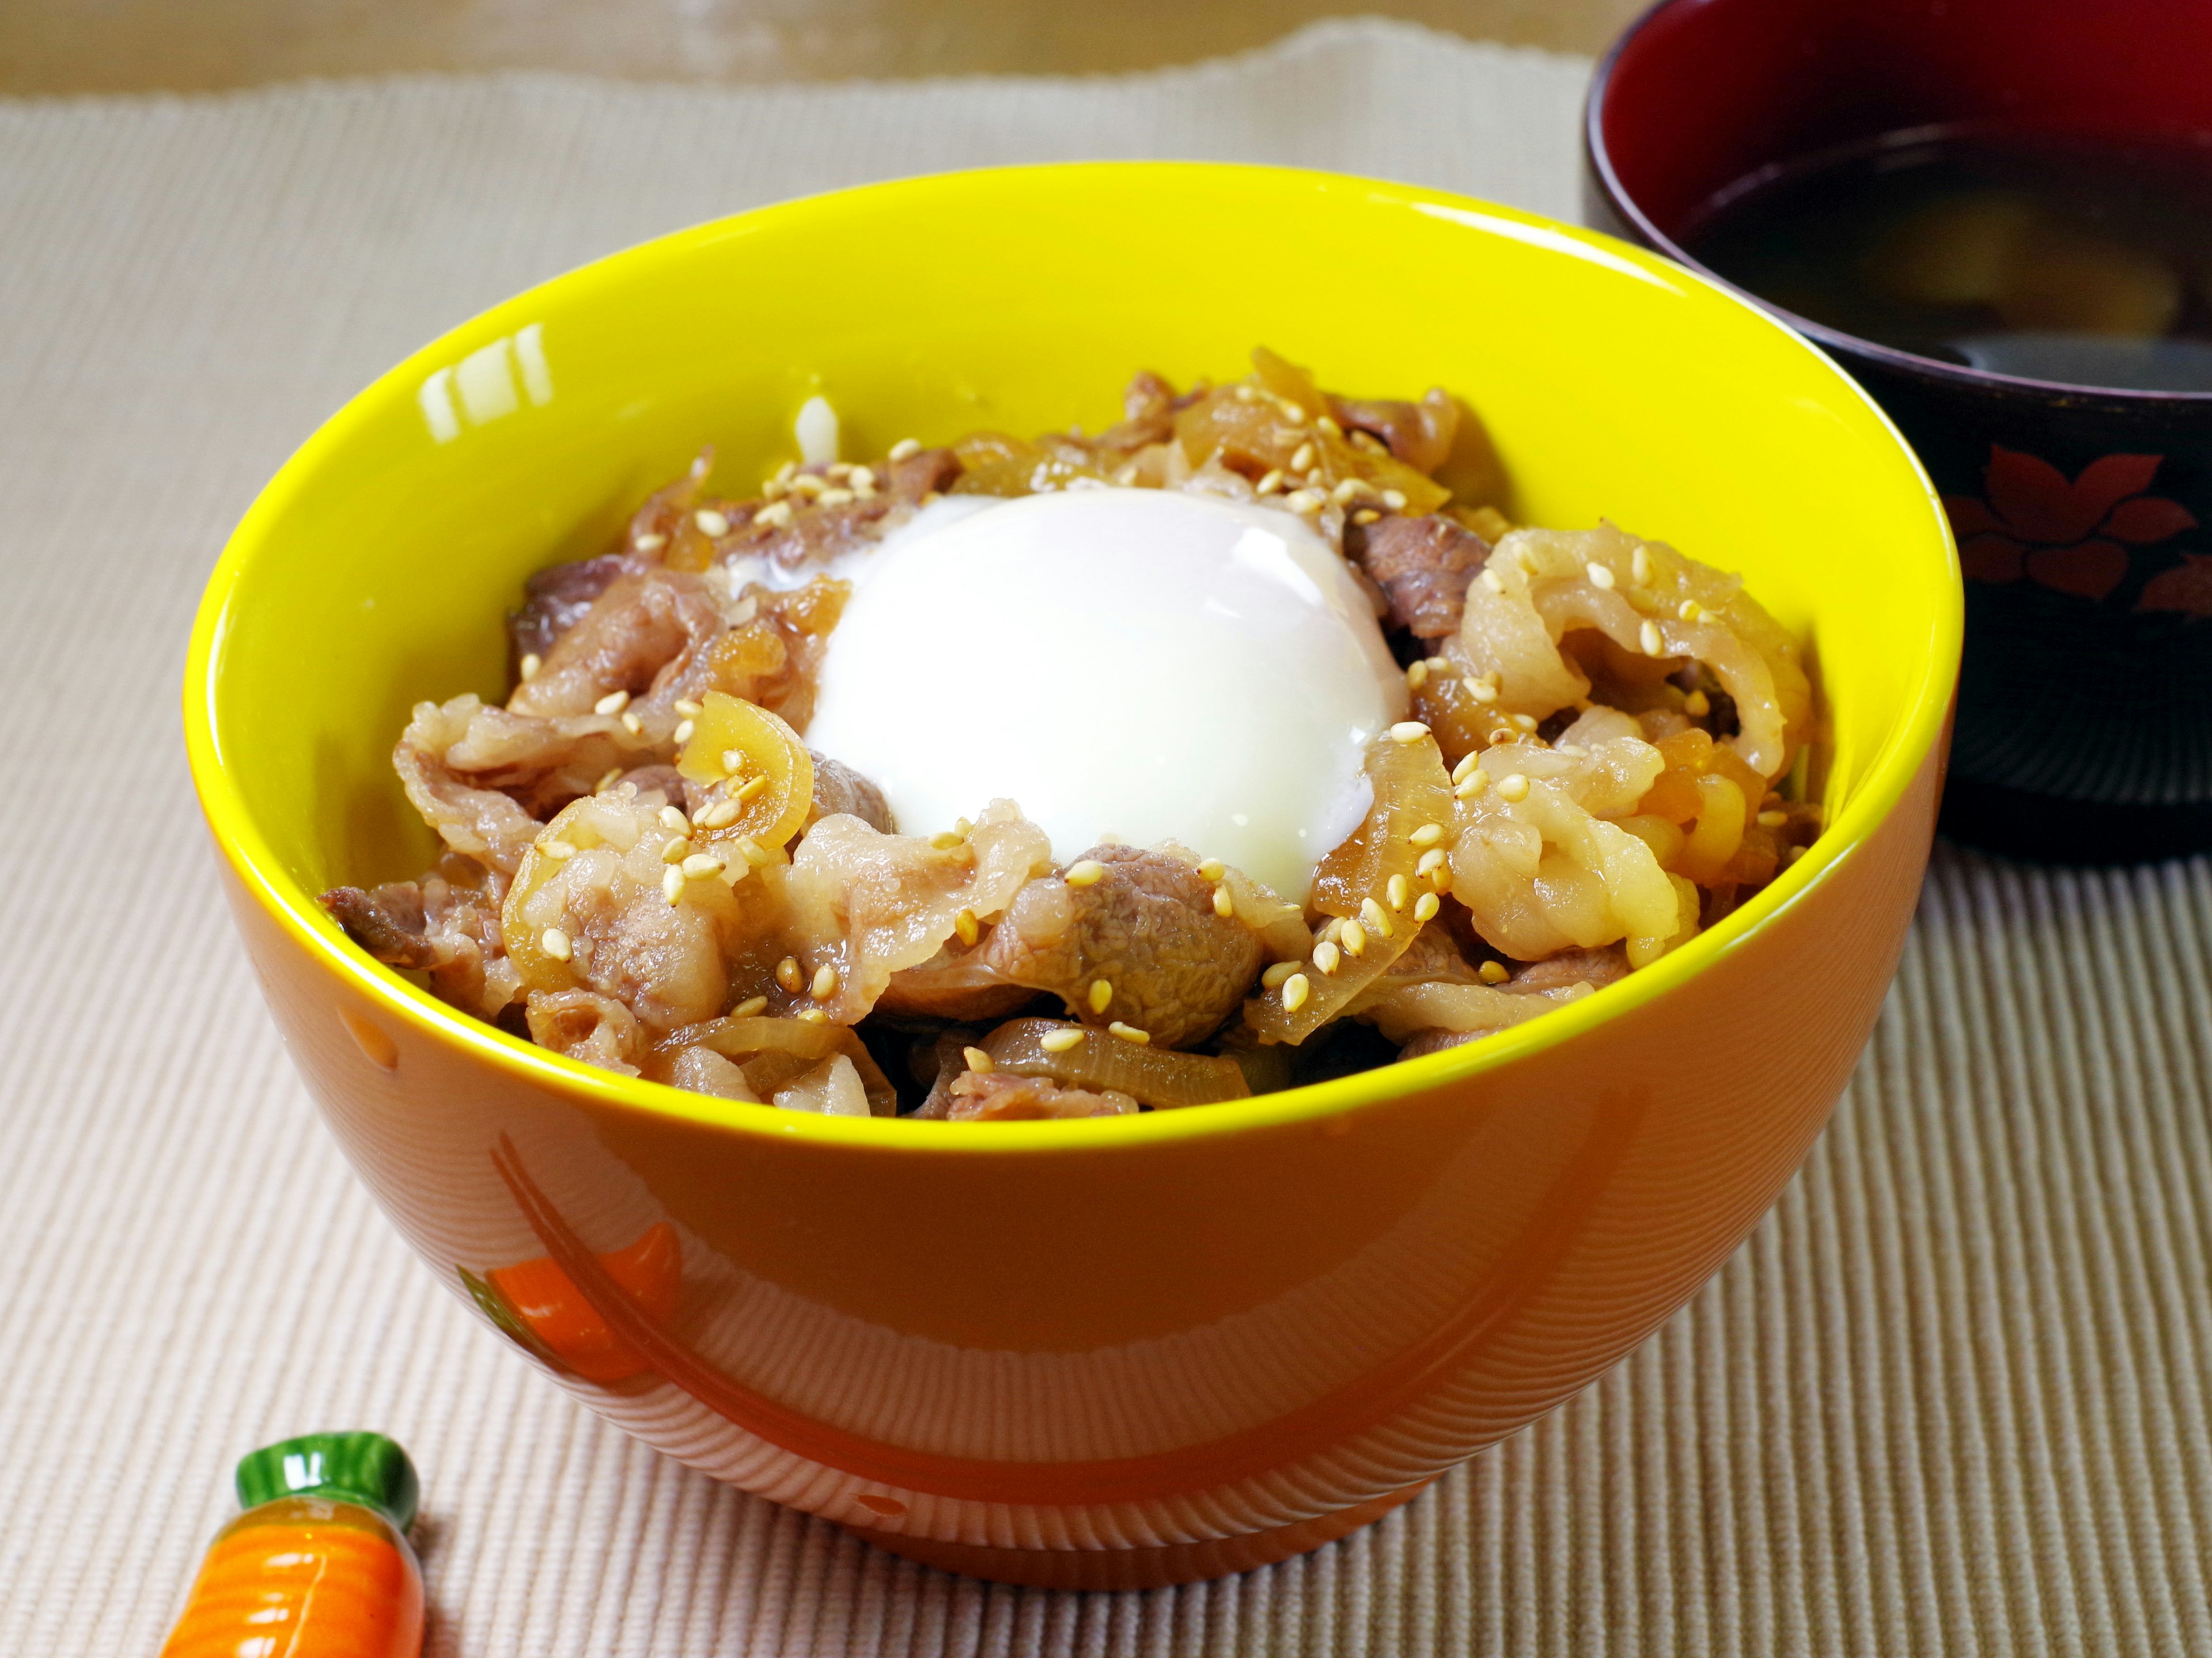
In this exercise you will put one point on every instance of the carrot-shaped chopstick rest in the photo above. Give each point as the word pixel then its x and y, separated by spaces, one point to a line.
pixel 318 1565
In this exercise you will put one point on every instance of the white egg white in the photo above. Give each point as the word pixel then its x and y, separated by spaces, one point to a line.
pixel 1131 665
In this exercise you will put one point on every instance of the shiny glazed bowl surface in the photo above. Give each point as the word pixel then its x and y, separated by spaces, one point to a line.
pixel 1116 1351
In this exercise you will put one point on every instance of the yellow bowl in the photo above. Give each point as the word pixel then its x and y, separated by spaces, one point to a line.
pixel 1109 1353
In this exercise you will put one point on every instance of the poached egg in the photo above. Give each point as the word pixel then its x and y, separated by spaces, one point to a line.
pixel 1124 664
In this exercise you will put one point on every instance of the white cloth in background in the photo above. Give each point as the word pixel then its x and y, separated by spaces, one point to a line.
pixel 1950 1398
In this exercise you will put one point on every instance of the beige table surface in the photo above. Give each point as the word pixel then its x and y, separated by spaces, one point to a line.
pixel 138 45
pixel 1951 1397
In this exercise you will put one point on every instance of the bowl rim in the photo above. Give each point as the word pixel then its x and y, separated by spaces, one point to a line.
pixel 1597 158
pixel 1887 776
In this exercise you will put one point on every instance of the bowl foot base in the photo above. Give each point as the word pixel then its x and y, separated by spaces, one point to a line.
pixel 1137 1569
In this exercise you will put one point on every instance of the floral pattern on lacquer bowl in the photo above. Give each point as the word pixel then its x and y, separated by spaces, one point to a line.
pixel 2072 536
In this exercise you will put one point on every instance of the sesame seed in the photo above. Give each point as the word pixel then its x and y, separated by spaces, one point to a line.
pixel 1440 877
pixel 1244 391
pixel 1408 731
pixel 1426 906
pixel 1327 956
pixel 1305 501
pixel 904 447
pixel 1270 481
pixel 1365 515
pixel 671 885
pixel 1468 762
pixel 1772 819
pixel 1480 689
pixel 1225 902
pixel 1395 500
pixel 1691 610
pixel 1430 859
pixel 751 1008
pixel 1129 1033
pixel 1795 853
pixel 1492 973
pixel 530 665
pixel 776 515
pixel 1513 786
pixel 1086 872
pixel 1101 997
pixel 748 790
pixel 787 974
pixel 785 473
pixel 1600 578
pixel 807 483
pixel 650 541
pixel 733 761
pixel 1398 891
pixel 1639 566
pixel 1326 424
pixel 720 814
pixel 978 1061
pixel 835 498
pixel 1296 989
pixel 555 943
pixel 612 702
pixel 1427 835
pixel 752 851
pixel 1375 918
pixel 1472 786
pixel 825 983
pixel 1417 675
pixel 684 729
pixel 1524 722
pixel 863 479
pixel 675 851
pixel 1648 637
pixel 1212 869
pixel 672 818
pixel 1352 938
pixel 701 865
pixel 1493 580
pixel 968 927
pixel 944 840
pixel 1059 1041
pixel 1346 492
pixel 1291 411
pixel 558 851
pixel 1274 977
pixel 632 724
pixel 710 522
pixel 1697 705
pixel 606 780
pixel 963 827
pixel 814 1016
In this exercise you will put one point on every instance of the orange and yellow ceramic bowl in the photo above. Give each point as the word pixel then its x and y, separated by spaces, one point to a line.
pixel 1131 1350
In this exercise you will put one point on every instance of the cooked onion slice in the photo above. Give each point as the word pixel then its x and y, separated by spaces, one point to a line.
pixel 1356 883
pixel 765 795
pixel 776 1054
pixel 1158 1076
pixel 1467 1008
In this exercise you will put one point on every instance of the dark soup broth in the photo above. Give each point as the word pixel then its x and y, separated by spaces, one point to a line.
pixel 2083 263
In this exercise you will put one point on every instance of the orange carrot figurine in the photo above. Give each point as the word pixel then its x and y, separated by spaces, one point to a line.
pixel 318 1565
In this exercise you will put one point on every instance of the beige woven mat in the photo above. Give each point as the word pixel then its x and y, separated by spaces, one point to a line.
pixel 1950 1398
